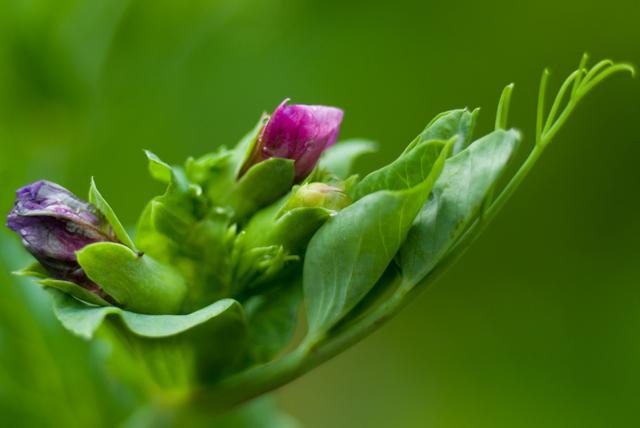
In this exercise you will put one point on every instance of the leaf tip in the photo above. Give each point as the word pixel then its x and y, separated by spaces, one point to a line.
pixel 630 68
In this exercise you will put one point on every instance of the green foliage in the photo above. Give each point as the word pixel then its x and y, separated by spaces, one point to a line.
pixel 262 185
pixel 349 254
pixel 45 371
pixel 103 207
pixel 409 170
pixel 339 159
pixel 136 281
pixel 207 308
pixel 454 123
pixel 85 320
pixel 458 195
pixel 272 318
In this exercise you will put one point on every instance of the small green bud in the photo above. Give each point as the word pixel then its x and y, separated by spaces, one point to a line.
pixel 319 195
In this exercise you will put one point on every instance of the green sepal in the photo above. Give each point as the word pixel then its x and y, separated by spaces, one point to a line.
pixel 105 209
pixel 172 214
pixel 247 145
pixel 34 270
pixel 272 241
pixel 215 172
pixel 74 290
pixel 137 282
pixel 292 229
pixel 37 271
pixel 255 266
pixel 159 170
pixel 174 177
pixel 260 186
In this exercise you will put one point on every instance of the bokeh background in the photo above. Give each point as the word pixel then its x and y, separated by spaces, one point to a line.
pixel 538 325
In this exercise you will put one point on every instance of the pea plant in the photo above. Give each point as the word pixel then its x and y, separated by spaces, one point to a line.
pixel 261 261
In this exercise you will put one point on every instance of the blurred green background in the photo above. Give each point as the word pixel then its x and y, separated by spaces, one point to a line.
pixel 536 327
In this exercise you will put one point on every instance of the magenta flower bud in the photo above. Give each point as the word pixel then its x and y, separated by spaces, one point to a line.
pixel 53 224
pixel 298 132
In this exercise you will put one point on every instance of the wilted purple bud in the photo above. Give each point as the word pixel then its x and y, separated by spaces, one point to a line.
pixel 298 132
pixel 53 224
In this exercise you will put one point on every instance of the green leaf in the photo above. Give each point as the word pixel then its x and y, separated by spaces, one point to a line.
pixel 35 270
pixel 171 214
pixel 446 125
pixel 409 170
pixel 137 282
pixel 260 413
pixel 339 159
pixel 292 230
pixel 101 205
pixel 458 194
pixel 158 169
pixel 172 219
pixel 296 227
pixel 74 290
pixel 174 177
pixel 84 320
pixel 245 147
pixel 262 184
pixel 348 255
pixel 272 320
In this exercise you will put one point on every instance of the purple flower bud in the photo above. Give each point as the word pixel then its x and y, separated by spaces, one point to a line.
pixel 298 132
pixel 53 224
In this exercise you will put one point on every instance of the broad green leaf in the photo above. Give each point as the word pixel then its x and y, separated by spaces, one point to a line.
pixel 137 282
pixel 260 186
pixel 409 170
pixel 446 125
pixel 74 290
pixel 348 255
pixel 272 319
pixel 457 196
pixel 84 320
pixel 101 205
pixel 340 158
